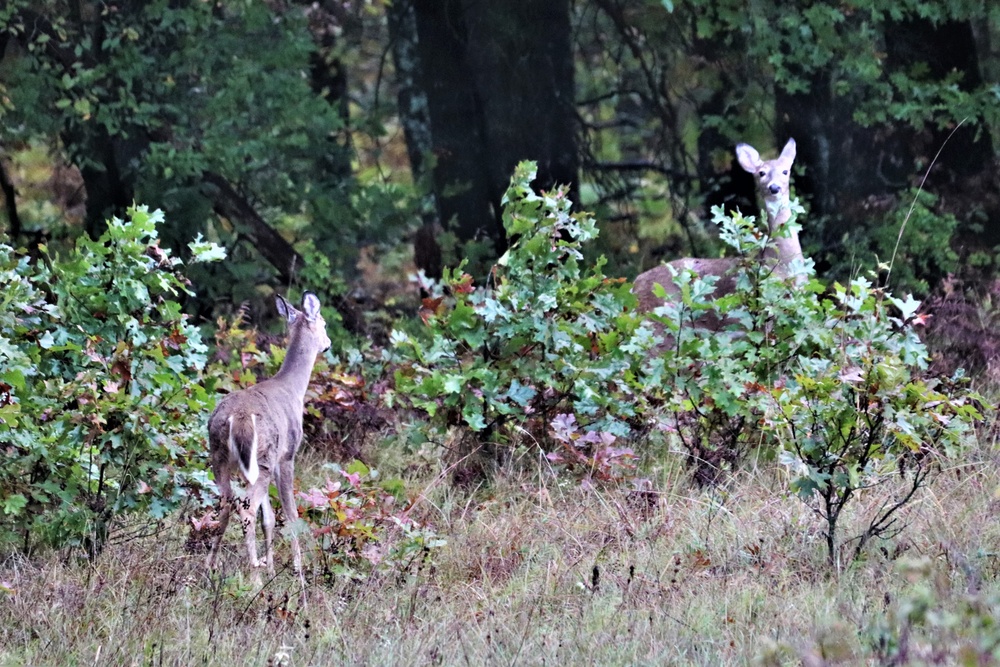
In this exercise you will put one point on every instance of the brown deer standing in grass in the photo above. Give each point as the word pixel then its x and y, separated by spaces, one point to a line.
pixel 782 249
pixel 255 432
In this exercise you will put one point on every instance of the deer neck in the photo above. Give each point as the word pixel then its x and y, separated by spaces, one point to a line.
pixel 784 246
pixel 300 358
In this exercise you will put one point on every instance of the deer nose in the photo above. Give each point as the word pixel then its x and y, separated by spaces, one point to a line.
pixel 774 189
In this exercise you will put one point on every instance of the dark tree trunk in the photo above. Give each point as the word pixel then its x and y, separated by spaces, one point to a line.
pixel 460 178
pixel 414 111
pixel 850 169
pixel 521 59
pixel 850 172
pixel 484 86
pixel 328 79
pixel 413 97
pixel 230 204
pixel 838 153
pixel 109 174
pixel 10 203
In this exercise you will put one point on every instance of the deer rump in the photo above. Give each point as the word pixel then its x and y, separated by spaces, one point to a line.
pixel 249 437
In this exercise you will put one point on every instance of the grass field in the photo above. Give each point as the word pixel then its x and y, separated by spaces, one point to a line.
pixel 538 571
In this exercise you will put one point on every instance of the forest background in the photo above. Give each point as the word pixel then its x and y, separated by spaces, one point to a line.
pixel 364 151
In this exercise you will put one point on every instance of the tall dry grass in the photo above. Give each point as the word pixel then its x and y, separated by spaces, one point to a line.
pixel 537 571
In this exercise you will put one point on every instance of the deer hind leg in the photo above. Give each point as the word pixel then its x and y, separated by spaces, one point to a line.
pixel 256 495
pixel 285 481
pixel 222 480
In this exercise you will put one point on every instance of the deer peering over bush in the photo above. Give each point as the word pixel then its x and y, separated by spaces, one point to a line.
pixel 256 432
pixel 772 177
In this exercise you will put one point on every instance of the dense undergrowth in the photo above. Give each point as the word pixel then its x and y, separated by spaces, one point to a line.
pixel 527 475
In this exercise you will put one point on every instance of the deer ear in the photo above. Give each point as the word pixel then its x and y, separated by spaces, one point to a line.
pixel 285 309
pixel 788 152
pixel 748 156
pixel 310 305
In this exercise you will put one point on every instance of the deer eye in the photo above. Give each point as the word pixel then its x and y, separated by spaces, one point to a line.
pixel 785 172
pixel 763 174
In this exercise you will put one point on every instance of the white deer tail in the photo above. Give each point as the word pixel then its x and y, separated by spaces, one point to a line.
pixel 243 446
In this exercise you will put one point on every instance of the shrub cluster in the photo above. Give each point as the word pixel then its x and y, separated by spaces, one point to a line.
pixel 833 383
pixel 548 335
pixel 102 401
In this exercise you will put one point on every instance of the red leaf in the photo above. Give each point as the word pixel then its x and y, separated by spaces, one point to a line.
pixel 122 369
pixel 431 307
pixel 205 522
pixel 315 499
pixel 464 285
pixel 172 342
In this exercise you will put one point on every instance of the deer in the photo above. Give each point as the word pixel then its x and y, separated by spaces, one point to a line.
pixel 783 248
pixel 255 433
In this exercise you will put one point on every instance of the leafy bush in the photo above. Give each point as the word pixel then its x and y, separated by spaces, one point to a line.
pixel 102 406
pixel 835 383
pixel 547 335
pixel 360 526
pixel 590 454
pixel 725 350
pixel 851 417
pixel 832 383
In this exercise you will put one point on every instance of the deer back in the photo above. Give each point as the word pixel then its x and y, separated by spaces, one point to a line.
pixel 664 275
pixel 272 409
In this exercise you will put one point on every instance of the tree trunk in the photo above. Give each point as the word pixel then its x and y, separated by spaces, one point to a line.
pixel 484 86
pixel 521 60
pixel 108 175
pixel 851 168
pixel 414 112
pixel 10 203
pixel 328 79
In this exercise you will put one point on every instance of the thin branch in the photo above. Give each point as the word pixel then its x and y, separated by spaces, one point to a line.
pixel 231 204
pixel 885 519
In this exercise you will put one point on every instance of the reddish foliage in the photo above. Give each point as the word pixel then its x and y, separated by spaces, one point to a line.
pixel 465 285
pixel 431 307
pixel 341 415
pixel 963 329
pixel 174 342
